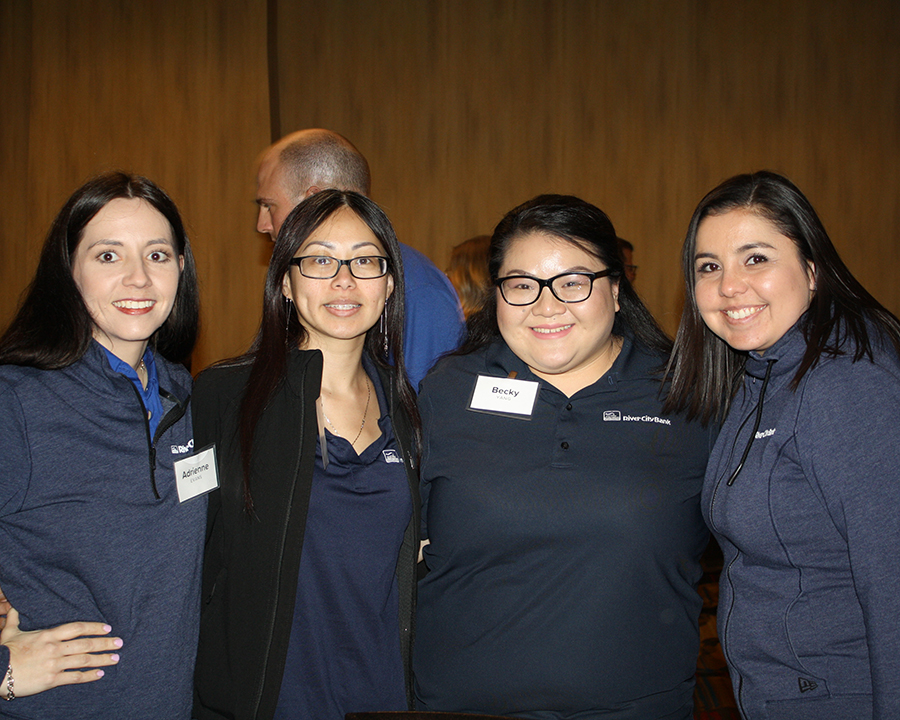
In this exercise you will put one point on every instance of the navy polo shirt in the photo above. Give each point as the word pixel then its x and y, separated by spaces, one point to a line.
pixel 344 649
pixel 564 549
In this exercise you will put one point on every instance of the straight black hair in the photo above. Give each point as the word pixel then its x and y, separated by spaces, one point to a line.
pixel 583 225
pixel 280 330
pixel 53 328
pixel 705 371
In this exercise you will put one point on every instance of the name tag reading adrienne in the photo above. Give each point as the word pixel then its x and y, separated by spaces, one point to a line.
pixel 197 474
pixel 504 396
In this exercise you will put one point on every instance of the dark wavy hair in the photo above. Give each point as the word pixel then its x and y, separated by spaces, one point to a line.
pixel 705 371
pixel 588 228
pixel 53 328
pixel 280 330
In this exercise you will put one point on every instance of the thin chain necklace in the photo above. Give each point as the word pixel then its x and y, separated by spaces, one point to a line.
pixel 141 372
pixel 365 413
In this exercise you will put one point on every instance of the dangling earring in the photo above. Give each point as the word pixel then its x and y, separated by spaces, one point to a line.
pixel 287 319
pixel 383 333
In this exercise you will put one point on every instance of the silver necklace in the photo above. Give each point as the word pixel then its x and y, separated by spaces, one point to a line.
pixel 365 414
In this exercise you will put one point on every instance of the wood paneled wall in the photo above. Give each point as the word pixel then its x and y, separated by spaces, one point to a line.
pixel 464 108
pixel 172 90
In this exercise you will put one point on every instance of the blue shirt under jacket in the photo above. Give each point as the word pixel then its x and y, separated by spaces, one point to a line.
pixel 564 549
pixel 150 394
pixel 91 529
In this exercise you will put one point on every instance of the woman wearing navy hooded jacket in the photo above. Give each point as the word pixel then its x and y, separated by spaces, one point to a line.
pixel 803 487
pixel 101 551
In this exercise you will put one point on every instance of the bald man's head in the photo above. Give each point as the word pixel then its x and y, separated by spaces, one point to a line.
pixel 301 164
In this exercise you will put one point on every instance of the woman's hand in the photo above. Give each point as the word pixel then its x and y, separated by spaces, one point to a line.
pixel 40 658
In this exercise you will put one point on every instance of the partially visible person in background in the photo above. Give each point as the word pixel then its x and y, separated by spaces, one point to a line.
pixel 561 504
pixel 309 577
pixel 468 271
pixel 307 161
pixel 780 341
pixel 95 530
pixel 626 250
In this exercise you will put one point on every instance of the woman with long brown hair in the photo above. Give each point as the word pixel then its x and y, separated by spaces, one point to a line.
pixel 784 345
pixel 95 533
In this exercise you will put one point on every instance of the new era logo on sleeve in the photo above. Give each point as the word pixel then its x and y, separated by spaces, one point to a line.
pixel 806 685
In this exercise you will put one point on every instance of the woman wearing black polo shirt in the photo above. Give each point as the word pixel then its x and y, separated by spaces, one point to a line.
pixel 561 504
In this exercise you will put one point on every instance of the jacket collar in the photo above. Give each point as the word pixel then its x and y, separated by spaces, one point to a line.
pixel 787 353
pixel 94 372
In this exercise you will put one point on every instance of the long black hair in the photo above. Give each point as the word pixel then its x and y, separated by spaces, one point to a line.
pixel 588 228
pixel 705 371
pixel 53 328
pixel 280 330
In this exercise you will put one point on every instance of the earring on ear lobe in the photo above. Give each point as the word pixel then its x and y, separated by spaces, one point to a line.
pixel 383 333
pixel 287 319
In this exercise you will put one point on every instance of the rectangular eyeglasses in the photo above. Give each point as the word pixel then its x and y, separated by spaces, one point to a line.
pixel 571 287
pixel 323 267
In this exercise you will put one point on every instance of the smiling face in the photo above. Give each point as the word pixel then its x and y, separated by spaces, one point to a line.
pixel 127 269
pixel 750 281
pixel 570 345
pixel 343 307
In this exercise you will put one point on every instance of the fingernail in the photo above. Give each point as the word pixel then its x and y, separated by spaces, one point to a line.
pixel 114 657
pixel 118 642
pixel 100 673
pixel 107 628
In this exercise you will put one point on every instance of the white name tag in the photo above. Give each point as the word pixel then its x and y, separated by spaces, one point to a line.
pixel 197 474
pixel 504 396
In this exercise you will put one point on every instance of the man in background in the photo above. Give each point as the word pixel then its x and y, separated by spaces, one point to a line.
pixel 307 161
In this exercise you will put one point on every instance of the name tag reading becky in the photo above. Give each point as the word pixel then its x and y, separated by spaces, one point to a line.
pixel 504 396
pixel 197 474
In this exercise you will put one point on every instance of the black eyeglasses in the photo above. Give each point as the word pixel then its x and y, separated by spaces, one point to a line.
pixel 323 267
pixel 568 288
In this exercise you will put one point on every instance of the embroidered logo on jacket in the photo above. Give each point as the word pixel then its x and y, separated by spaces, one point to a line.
pixel 391 456
pixel 765 433
pixel 179 449
pixel 807 685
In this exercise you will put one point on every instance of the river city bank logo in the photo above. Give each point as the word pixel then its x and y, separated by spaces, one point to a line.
pixel 617 416
pixel 179 449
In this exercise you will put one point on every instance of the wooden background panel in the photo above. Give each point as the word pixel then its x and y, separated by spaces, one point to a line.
pixel 175 91
pixel 465 108
pixel 18 254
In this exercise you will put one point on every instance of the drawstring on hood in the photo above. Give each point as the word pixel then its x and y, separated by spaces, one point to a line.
pixel 759 409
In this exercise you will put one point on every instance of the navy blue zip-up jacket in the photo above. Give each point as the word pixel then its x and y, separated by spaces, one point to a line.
pixel 91 529
pixel 809 608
